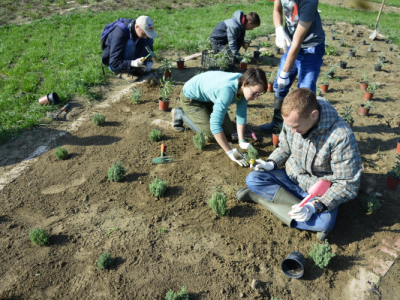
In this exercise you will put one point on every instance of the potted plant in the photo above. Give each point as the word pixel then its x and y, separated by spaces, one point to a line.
pixel 343 63
pixel 347 115
pixel 356 33
pixel 341 41
pixel 371 47
pixel 393 176
pixel 365 108
pixel 245 60
pixel 352 52
pixel 324 82
pixel 166 67
pixel 180 62
pixel 378 66
pixel 165 90
pixel 381 57
pixel 275 135
pixel 364 81
pixel 363 41
pixel 266 53
pixel 256 53
pixel 333 37
pixel 370 91
pixel 332 70
pixel 271 82
pixel 398 147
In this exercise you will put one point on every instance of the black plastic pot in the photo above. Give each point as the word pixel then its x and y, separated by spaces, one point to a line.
pixel 363 42
pixel 352 53
pixel 256 54
pixel 293 265
pixel 377 67
pixel 331 74
pixel 370 50
pixel 277 51
pixel 390 49
pixel 343 65
pixel 332 38
pixel 356 34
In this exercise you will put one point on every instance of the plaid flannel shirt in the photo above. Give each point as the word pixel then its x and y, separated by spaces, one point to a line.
pixel 329 152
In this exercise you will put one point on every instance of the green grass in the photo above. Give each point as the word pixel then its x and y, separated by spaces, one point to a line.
pixel 387 3
pixel 62 53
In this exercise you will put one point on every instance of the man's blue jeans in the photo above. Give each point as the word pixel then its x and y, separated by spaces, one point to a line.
pixel 265 184
pixel 133 51
pixel 307 66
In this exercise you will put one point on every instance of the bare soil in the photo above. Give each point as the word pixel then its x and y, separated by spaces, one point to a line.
pixel 174 241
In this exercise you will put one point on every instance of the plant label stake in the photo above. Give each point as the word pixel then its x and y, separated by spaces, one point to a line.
pixel 162 159
pixel 317 190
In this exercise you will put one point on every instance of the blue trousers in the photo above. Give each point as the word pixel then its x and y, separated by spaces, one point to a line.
pixel 307 66
pixel 265 184
pixel 133 51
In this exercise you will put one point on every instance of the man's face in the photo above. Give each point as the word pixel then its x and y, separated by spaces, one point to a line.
pixel 140 32
pixel 301 125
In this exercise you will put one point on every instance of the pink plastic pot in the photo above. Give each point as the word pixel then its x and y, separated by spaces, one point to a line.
pixel 363 85
pixel 398 147
pixel 363 111
pixel 167 74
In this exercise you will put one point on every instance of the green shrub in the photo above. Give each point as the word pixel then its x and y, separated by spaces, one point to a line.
pixel 370 203
pixel 105 261
pixel 199 140
pixel 116 172
pixel 136 95
pixel 98 119
pixel 39 236
pixel 252 153
pixel 331 50
pixel 61 153
pixel 218 204
pixel 181 295
pixel 321 254
pixel 158 187
pixel 155 135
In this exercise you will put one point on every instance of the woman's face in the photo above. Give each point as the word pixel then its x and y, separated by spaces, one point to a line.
pixel 253 92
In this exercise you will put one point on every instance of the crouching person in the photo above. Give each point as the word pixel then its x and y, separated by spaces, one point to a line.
pixel 205 100
pixel 315 144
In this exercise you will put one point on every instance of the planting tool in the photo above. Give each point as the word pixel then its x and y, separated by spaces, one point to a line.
pixel 150 53
pixel 375 32
pixel 317 190
pixel 64 108
pixel 162 159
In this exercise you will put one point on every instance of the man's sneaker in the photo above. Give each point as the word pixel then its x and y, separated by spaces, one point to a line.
pixel 130 77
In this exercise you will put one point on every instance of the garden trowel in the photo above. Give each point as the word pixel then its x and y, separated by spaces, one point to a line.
pixel 150 53
pixel 162 159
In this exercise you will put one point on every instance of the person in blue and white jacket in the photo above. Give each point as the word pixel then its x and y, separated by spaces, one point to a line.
pixel 232 31
pixel 205 100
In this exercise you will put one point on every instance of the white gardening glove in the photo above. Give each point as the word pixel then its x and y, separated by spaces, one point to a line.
pixel 281 38
pixel 244 145
pixel 283 79
pixel 237 158
pixel 264 166
pixel 149 65
pixel 302 214
pixel 137 62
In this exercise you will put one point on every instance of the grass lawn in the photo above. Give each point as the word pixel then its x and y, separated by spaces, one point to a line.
pixel 388 3
pixel 62 53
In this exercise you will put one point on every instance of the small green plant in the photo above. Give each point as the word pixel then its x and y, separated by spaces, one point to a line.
pixel 341 42
pixel 111 230
pixel 382 57
pixel 368 104
pixel 166 65
pixel 116 172
pixel 39 236
pixel 155 135
pixel 181 295
pixel 273 298
pixel 371 47
pixel 345 59
pixel 136 95
pixel 381 63
pixel 265 44
pixel 61 153
pixel 355 49
pixel 363 39
pixel 372 87
pixel 166 88
pixel 252 153
pixel 319 92
pixel 321 254
pixel 347 114
pixel 266 53
pixel 370 203
pixel 246 57
pixel 332 68
pixel 162 230
pixel 395 171
pixel 331 50
pixel 158 187
pixel 271 77
pixel 364 77
pixel 105 261
pixel 218 204
pixel 199 140
pixel 324 79
pixel 179 59
pixel 98 119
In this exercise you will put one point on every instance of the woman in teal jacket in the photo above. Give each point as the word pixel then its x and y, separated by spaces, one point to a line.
pixel 205 100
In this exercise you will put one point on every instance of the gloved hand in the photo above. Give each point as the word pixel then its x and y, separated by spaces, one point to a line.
pixel 149 65
pixel 283 79
pixel 302 214
pixel 244 145
pixel 264 166
pixel 137 62
pixel 237 158
pixel 245 46
pixel 281 37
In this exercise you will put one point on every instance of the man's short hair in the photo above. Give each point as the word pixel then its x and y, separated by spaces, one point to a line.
pixel 253 18
pixel 302 100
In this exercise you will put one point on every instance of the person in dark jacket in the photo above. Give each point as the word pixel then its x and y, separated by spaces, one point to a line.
pixel 232 31
pixel 126 54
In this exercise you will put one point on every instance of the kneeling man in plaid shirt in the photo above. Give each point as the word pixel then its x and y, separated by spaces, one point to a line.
pixel 314 144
